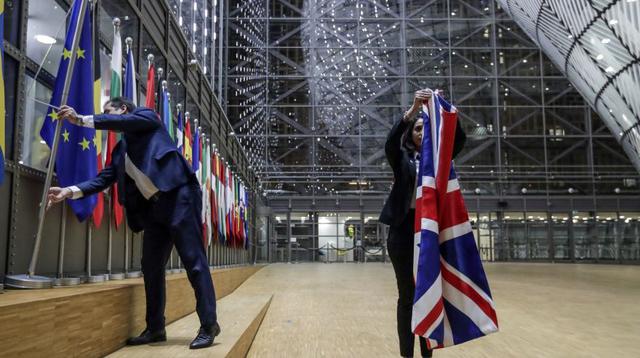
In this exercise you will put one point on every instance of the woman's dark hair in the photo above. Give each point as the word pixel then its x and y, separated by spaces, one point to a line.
pixel 407 136
pixel 122 101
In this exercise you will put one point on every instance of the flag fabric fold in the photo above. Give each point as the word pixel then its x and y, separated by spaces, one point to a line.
pixel 150 100
pixel 180 131
pixel 130 91
pixel 215 225
pixel 165 112
pixel 188 142
pixel 76 160
pixel 195 165
pixel 452 301
pixel 221 200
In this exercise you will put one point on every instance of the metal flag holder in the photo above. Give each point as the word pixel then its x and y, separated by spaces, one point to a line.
pixel 169 270
pixel 89 277
pixel 112 275
pixel 136 273
pixel 60 279
pixel 175 270
pixel 30 279
pixel 127 262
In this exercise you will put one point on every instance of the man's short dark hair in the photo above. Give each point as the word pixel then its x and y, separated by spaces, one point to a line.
pixel 122 101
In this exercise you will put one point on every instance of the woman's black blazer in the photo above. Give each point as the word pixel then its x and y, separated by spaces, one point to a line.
pixel 404 173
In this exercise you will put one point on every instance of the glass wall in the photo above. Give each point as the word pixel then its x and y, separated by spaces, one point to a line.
pixel 572 236
pixel 328 237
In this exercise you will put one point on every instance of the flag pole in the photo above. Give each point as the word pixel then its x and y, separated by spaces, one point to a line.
pixel 88 261
pixel 60 279
pixel 158 104
pixel 30 280
pixel 135 273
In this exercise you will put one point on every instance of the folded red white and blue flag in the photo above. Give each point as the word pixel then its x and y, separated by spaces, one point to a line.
pixel 452 301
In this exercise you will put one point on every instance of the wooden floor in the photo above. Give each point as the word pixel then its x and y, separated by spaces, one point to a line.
pixel 545 310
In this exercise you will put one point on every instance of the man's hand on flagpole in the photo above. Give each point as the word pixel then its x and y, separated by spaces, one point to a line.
pixel 70 114
pixel 57 195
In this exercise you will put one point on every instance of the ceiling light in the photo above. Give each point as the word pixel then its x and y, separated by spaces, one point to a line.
pixel 45 39
pixel 605 41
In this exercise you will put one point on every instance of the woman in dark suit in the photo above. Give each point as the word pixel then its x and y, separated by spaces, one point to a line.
pixel 403 153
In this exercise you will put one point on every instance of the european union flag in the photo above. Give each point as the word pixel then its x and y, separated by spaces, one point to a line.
pixel 76 157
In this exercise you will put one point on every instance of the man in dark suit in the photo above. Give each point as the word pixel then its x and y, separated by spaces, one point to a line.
pixel 161 196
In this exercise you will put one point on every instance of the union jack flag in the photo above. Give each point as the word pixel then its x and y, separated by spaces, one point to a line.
pixel 452 301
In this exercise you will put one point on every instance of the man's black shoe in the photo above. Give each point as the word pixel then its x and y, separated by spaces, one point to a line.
pixel 147 337
pixel 205 337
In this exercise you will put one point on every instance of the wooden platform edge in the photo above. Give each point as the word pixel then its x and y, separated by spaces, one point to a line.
pixel 242 346
pixel 95 320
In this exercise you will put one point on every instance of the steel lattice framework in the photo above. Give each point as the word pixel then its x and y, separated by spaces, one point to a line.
pixel 314 86
pixel 596 45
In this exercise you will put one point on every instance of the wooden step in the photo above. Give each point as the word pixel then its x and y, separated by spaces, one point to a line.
pixel 240 316
pixel 93 320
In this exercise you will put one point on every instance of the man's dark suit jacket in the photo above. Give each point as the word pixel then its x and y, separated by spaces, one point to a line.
pixel 404 173
pixel 150 149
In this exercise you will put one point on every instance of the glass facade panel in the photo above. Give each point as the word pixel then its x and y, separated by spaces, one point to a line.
pixel 11 94
pixel 35 152
pixel 560 235
pixel 12 30
pixel 45 33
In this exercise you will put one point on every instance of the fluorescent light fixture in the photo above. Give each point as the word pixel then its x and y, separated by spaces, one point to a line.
pixel 45 39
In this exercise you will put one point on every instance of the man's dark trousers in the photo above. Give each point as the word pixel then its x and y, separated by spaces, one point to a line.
pixel 174 218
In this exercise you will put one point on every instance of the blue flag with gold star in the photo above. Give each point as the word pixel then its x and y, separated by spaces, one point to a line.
pixel 76 158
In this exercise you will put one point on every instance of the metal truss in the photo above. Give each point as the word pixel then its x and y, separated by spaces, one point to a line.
pixel 336 74
pixel 596 45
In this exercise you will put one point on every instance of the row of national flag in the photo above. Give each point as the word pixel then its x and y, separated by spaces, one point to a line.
pixel 224 202
pixel 80 156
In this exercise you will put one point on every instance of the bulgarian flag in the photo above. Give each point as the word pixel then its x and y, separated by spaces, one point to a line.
pixel 115 91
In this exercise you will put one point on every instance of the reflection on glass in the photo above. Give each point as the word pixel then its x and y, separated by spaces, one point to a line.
pixel 46 27
pixel 608 231
pixel 583 233
pixel 630 244
pixel 35 152
pixel 560 235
